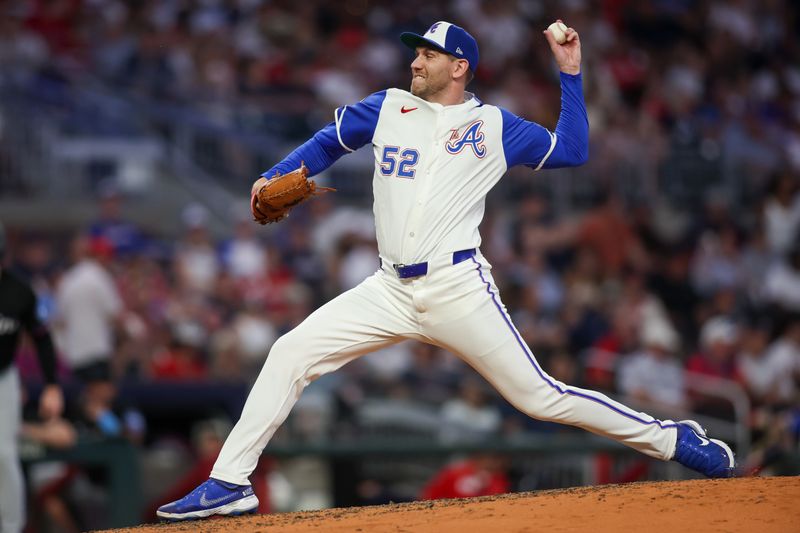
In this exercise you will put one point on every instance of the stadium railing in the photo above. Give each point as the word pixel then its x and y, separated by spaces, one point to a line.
pixel 117 457
pixel 58 134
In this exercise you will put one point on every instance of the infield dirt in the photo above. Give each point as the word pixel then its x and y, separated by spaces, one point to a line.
pixel 731 505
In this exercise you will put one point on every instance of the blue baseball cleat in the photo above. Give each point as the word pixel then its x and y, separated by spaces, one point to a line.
pixel 212 497
pixel 710 457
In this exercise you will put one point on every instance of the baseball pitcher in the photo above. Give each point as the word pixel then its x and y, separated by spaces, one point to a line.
pixel 438 151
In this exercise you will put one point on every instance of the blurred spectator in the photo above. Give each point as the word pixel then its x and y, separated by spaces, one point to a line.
pixel 330 226
pixel 771 372
pixel 498 28
pixel 469 416
pixel 88 309
pixel 123 236
pixel 196 262
pixel 782 214
pixel 226 364
pixel 481 475
pixel 146 294
pixel 783 281
pixel 56 22
pixel 255 335
pixel 88 306
pixel 717 263
pixel 603 358
pixel 582 281
pixel 21 51
pixel 54 433
pixel 358 259
pixel 430 376
pixel 180 359
pixel 50 481
pixel 639 304
pixel 606 232
pixel 758 375
pixel 308 265
pixel 562 367
pixel 670 283
pixel 541 330
pixel 244 256
pixel 719 341
pixel 388 364
pixel 717 213
pixel 654 375
pixel 531 271
pixel 755 262
pixel 534 213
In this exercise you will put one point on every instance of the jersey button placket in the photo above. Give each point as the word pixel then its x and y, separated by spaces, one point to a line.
pixel 423 184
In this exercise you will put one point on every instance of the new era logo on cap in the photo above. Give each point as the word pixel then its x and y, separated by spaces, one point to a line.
pixel 448 38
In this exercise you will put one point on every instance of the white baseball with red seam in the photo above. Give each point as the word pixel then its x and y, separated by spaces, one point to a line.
pixel 559 31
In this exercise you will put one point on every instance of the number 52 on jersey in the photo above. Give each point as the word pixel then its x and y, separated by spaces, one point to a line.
pixel 400 162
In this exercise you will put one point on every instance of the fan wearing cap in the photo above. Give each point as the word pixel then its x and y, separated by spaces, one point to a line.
pixel 719 341
pixel 438 150
pixel 654 375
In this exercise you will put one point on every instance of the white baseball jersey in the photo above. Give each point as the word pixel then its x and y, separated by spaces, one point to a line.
pixel 434 165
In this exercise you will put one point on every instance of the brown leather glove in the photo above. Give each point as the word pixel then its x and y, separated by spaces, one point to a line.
pixel 271 199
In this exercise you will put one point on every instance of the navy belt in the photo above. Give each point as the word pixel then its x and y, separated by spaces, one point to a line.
pixel 420 269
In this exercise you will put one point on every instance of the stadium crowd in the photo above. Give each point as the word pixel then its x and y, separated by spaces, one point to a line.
pixel 629 294
pixel 664 80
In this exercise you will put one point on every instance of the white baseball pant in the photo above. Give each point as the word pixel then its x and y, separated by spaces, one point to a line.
pixel 12 488
pixel 456 307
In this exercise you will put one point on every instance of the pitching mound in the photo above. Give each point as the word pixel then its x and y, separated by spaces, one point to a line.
pixel 747 504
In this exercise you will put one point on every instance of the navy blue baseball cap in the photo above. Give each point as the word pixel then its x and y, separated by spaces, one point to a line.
pixel 447 38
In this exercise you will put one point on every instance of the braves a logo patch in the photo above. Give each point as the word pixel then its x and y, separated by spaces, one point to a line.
pixel 472 137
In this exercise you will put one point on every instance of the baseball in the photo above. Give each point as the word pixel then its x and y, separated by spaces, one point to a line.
pixel 558 30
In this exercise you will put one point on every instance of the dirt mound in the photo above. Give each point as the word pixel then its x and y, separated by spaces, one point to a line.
pixel 747 504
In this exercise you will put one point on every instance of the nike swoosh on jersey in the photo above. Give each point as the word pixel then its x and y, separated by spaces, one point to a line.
pixel 404 110
pixel 205 502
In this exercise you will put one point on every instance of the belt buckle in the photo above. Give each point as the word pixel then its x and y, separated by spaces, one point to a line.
pixel 414 270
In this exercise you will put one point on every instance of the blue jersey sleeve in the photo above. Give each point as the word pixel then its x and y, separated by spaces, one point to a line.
pixel 355 124
pixel 353 127
pixel 528 143
pixel 525 142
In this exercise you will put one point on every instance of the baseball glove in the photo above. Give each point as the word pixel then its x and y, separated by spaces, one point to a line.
pixel 273 198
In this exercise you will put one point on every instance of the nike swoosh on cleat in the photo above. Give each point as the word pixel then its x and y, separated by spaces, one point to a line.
pixel 205 502
pixel 703 441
